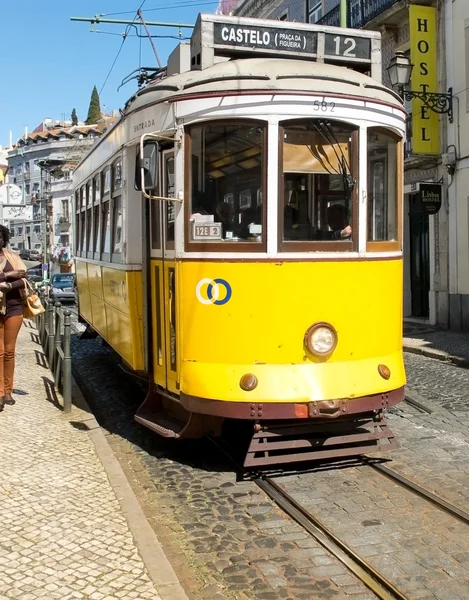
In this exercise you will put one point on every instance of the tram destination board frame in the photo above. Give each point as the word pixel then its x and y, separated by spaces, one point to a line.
pixel 235 37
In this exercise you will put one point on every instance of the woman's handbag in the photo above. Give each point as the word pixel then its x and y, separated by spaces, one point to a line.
pixel 32 303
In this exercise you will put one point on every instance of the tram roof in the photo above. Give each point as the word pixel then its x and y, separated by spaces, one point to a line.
pixel 276 75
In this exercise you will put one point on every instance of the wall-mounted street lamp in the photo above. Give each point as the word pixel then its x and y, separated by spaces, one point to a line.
pixel 400 71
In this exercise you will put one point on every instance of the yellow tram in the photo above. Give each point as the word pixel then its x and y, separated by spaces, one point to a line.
pixel 239 239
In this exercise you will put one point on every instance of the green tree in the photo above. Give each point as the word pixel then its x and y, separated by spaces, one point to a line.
pixel 94 111
pixel 74 117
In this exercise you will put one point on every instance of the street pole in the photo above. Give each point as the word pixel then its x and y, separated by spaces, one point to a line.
pixel 343 13
pixel 43 223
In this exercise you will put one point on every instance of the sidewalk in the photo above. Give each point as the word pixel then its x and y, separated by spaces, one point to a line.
pixel 71 526
pixel 449 346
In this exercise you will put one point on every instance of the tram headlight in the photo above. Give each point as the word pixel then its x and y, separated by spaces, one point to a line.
pixel 321 339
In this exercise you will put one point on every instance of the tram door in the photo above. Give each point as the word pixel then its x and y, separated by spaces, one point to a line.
pixel 164 279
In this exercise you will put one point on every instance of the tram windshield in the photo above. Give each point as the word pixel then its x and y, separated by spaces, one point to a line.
pixel 227 183
pixel 317 165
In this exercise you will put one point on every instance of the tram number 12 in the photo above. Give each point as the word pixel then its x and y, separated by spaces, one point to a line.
pixel 323 106
pixel 349 43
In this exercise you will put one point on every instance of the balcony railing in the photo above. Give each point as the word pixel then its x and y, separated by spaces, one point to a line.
pixel 332 18
pixel 359 13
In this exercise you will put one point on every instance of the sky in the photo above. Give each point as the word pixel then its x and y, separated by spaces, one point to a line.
pixel 50 63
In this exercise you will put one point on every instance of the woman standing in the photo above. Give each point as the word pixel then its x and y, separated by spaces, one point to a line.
pixel 12 273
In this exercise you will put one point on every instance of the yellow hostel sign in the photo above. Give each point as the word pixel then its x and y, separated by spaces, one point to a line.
pixel 423 50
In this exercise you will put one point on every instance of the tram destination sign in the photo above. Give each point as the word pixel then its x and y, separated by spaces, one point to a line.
pixel 286 41
pixel 265 38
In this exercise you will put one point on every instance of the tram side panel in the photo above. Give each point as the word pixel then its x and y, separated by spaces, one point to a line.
pixel 252 318
pixel 111 302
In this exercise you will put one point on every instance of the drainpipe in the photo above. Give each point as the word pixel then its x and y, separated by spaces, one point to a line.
pixel 343 13
pixel 450 139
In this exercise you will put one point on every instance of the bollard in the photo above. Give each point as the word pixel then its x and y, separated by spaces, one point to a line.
pixel 50 333
pixel 67 363
pixel 57 336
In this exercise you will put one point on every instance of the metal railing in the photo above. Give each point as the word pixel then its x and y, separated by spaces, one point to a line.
pixel 54 327
pixel 359 13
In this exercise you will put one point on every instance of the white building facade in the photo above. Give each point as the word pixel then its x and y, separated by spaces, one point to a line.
pixel 41 165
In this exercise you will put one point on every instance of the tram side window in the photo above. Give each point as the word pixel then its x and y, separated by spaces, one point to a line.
pixel 88 231
pixel 83 240
pixel 96 230
pixel 319 174
pixel 226 183
pixel 106 232
pixel 117 226
pixel 383 173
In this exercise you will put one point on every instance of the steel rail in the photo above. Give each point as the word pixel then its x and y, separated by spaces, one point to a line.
pixel 418 405
pixel 381 587
pixel 373 580
pixel 447 507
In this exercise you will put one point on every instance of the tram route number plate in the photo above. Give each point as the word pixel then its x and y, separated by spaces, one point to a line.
pixel 206 231
pixel 346 46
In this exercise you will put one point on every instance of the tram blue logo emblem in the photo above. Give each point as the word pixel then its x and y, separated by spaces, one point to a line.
pixel 213 291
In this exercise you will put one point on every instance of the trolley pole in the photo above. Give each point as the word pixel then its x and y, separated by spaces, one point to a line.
pixel 343 13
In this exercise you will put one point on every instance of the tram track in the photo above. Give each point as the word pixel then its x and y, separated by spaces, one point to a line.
pixel 377 583
pixel 369 576
pixel 410 485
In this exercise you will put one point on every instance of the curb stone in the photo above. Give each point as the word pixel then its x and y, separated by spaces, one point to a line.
pixel 157 564
pixel 459 361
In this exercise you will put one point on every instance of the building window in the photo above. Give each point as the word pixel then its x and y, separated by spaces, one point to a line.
pixel 65 209
pixel 284 17
pixel 315 11
pixel 27 189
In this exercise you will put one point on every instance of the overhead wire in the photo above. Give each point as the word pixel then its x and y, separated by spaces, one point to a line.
pixel 124 37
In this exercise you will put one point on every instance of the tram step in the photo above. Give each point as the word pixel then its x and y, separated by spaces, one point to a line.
pixel 285 444
pixel 161 423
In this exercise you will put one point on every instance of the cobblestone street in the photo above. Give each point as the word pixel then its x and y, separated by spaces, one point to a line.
pixel 440 382
pixel 226 540
pixel 63 532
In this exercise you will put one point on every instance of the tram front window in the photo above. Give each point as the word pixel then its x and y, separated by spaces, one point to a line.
pixel 226 183
pixel 318 181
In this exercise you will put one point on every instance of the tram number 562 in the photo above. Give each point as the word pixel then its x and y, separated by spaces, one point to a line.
pixel 323 106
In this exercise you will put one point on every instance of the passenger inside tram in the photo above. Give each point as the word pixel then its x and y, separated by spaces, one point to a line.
pixel 318 181
pixel 337 222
